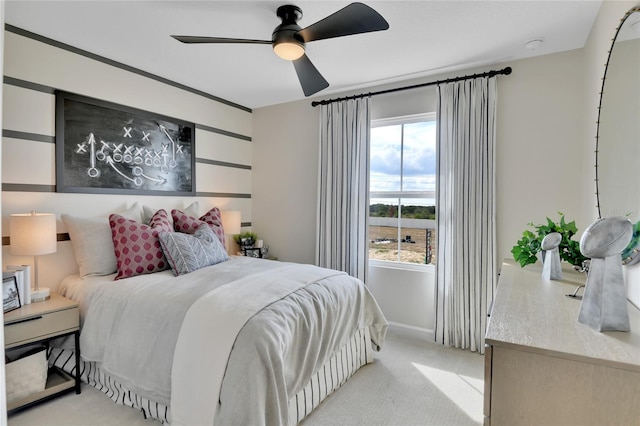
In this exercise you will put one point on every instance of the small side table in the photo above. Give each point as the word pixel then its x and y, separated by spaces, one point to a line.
pixel 39 322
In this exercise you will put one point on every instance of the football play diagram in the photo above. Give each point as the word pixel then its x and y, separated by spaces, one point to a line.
pixel 113 154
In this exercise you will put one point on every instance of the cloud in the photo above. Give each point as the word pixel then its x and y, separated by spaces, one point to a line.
pixel 419 162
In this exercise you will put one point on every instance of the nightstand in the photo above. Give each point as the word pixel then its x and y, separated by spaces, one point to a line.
pixel 39 322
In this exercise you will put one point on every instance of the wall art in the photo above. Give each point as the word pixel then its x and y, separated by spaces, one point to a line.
pixel 102 147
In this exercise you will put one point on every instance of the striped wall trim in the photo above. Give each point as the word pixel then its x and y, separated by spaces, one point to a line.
pixel 63 236
pixel 222 195
pixel 223 132
pixel 69 48
pixel 222 163
pixel 27 187
pixel 29 85
pixel 52 90
pixel 6 133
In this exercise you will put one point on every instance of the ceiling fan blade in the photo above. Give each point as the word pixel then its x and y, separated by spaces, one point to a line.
pixel 356 18
pixel 310 78
pixel 197 39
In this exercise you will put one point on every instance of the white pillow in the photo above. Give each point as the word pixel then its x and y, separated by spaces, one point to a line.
pixel 148 212
pixel 92 243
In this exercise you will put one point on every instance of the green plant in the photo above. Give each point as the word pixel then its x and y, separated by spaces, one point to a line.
pixel 526 249
pixel 249 237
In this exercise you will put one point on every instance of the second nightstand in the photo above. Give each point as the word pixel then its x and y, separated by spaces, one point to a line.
pixel 41 322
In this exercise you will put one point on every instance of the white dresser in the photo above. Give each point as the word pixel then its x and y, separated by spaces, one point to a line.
pixel 542 367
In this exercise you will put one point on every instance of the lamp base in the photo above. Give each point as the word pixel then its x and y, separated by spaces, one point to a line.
pixel 40 295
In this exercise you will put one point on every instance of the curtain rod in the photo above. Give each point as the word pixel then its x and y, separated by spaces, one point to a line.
pixel 492 73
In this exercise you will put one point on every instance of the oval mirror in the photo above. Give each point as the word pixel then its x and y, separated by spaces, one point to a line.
pixel 618 131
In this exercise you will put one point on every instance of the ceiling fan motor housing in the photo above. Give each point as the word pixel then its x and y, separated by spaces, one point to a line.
pixel 287 31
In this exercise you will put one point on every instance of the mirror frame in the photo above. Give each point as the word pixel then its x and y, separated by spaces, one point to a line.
pixel 631 254
pixel 604 81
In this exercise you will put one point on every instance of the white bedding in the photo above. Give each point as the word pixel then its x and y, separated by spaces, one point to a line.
pixel 272 357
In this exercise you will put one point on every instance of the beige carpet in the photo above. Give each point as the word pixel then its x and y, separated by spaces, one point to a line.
pixel 410 383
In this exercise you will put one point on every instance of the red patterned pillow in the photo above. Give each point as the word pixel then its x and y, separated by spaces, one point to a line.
pixel 182 222
pixel 136 245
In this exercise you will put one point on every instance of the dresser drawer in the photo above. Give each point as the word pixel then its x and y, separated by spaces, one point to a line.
pixel 41 327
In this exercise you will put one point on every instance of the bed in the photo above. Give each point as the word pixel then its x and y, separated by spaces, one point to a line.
pixel 238 341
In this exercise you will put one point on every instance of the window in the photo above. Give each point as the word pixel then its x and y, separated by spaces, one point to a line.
pixel 402 189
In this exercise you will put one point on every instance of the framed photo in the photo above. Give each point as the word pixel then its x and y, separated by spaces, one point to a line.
pixel 10 296
pixel 102 147
pixel 253 252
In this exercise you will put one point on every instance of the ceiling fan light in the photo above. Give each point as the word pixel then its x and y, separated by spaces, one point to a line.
pixel 288 50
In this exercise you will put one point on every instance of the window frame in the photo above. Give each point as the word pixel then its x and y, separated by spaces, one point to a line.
pixel 392 121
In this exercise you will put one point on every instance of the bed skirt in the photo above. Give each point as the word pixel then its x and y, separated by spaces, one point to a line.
pixel 335 372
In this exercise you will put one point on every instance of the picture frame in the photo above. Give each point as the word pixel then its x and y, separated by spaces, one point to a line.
pixel 10 295
pixel 107 148
pixel 253 252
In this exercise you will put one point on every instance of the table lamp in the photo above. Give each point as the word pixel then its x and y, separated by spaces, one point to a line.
pixel 33 234
pixel 231 222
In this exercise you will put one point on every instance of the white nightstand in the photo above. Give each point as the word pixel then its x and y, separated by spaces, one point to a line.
pixel 40 322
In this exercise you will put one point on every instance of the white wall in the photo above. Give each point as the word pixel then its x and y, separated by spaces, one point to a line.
pixel 35 69
pixel 540 168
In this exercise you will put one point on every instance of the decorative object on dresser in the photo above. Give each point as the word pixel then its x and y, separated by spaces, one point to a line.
pixel 551 269
pixel 604 304
pixel 33 234
pixel 527 248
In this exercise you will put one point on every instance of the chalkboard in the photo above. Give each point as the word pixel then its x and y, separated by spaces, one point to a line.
pixel 102 147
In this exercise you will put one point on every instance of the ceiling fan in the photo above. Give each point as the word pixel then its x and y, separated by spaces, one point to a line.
pixel 288 39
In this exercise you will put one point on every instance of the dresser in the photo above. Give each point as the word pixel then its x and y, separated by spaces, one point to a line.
pixel 542 367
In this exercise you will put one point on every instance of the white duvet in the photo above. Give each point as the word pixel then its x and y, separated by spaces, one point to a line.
pixel 273 342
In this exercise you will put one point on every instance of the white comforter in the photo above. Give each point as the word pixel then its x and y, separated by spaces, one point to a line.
pixel 278 347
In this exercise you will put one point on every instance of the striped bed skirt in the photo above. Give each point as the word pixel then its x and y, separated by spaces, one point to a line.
pixel 333 374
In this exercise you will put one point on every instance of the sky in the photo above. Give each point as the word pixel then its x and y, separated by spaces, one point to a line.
pixel 419 172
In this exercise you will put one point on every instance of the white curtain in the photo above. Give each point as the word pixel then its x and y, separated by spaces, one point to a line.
pixel 343 205
pixel 466 251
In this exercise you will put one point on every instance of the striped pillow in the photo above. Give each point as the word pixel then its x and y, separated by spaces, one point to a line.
pixel 189 252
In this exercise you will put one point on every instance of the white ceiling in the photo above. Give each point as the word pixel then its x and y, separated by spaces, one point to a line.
pixel 424 38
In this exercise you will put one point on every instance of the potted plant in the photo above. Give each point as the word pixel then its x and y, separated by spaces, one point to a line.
pixel 526 249
pixel 246 239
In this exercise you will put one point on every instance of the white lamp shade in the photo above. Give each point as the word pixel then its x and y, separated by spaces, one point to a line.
pixel 32 234
pixel 231 221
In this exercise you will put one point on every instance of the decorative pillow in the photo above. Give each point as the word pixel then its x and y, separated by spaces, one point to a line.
pixel 182 222
pixel 92 243
pixel 136 246
pixel 189 252
pixel 147 212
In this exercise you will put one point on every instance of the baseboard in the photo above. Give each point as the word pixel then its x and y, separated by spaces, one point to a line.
pixel 413 332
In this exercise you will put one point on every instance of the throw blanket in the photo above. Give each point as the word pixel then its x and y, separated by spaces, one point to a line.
pixel 222 313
